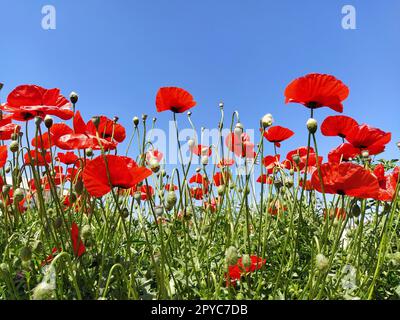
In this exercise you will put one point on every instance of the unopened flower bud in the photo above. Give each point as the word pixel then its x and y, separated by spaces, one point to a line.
pixel 238 129
pixel 86 232
pixel 136 121
pixel 115 119
pixel 14 146
pixel 1 86
pixel 191 143
pixel 365 153
pixel 221 105
pixel 159 211
pixel 198 170
pixel 321 262
pixel 96 121
pixel 73 97
pixel 38 121
pixel 48 121
pixel 8 169
pixel 355 210
pixel 89 152
pixel 267 121
pixel 289 182
pixel 296 158
pixel 171 198
pixel 18 194
pixel 189 113
pixel 231 256
pixel 154 165
pixel 144 117
pixel 72 197
pixel 246 261
pixel 25 254
pixel 204 160
pixel 37 247
pixel 137 196
pixel 221 190
pixel 312 125
pixel 6 189
pixel 125 213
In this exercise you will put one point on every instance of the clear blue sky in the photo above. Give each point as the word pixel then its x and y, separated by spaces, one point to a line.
pixel 116 54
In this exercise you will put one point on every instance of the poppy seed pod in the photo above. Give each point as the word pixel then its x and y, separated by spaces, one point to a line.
pixel 231 256
pixel 221 190
pixel 289 182
pixel 135 121
pixel 204 160
pixel 89 152
pixel 14 146
pixel 25 254
pixel 38 121
pixel 48 121
pixel 115 119
pixel 322 262
pixel 96 121
pixel 159 211
pixel 246 261
pixel 73 97
pixel 144 117
pixel 312 125
pixel 267 121
pixel 171 198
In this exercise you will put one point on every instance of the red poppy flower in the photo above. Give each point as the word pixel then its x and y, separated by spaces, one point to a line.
pixel 211 205
pixel 73 174
pixel 368 138
pixel 307 186
pixel 277 134
pixel 344 152
pixel 28 101
pixel 387 185
pixel 50 257
pixel 338 126
pixel 83 137
pixel 147 192
pixel 300 163
pixel 79 247
pixel 338 213
pixel 221 178
pixel 108 129
pixel 197 193
pixel 7 128
pixel 271 162
pixel 174 99
pixel 199 178
pixel 46 140
pixel 3 155
pixel 276 207
pixel 170 187
pixel 154 154
pixel 346 179
pixel 225 163
pixel 37 158
pixel 123 173
pixel 316 91
pixel 236 271
pixel 240 145
pixel 67 158
pixel 201 150
pixel 265 179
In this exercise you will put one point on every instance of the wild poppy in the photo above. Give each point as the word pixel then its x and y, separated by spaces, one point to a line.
pixel 201 150
pixel 197 193
pixel 78 246
pixel 200 179
pixel 67 158
pixel 368 138
pixel 3 155
pixel 387 185
pixel 276 206
pixel 344 152
pixel 346 179
pixel 317 90
pixel 174 99
pixel 225 163
pixel 83 137
pixel 277 134
pixel 221 178
pixel 49 139
pixel 36 158
pixel 240 145
pixel 7 128
pixel 265 179
pixel 154 154
pixel 271 162
pixel 123 172
pixel 338 126
pixel 107 129
pixel 306 186
pixel 171 187
pixel 28 101
pixel 236 271
pixel 146 192
pixel 338 213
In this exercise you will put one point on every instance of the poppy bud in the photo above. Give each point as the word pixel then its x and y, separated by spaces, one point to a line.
pixel 289 182
pixel 238 129
pixel 14 136
pixel 48 121
pixel 14 146
pixel 6 189
pixel 115 119
pixel 189 113
pixel 221 190
pixel 163 173
pixel 321 262
pixel 355 210
pixel 18 195
pixel 204 160
pixel 231 256
pixel 312 125
pixel 221 105
pixel 137 196
pixel 96 121
pixel 278 184
pixel 246 261
pixel 25 254
pixel 291 172
pixel 38 121
pixel 125 213
pixel 159 211
pixel 198 170
pixel 50 212
pixel 136 121
pixel 78 186
pixel 144 117
pixel 171 198
pixel 73 97
pixel 267 121
pixel 191 143
pixel 8 169
pixel 154 165
pixel 89 152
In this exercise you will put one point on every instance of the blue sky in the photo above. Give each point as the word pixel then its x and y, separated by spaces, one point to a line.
pixel 116 54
